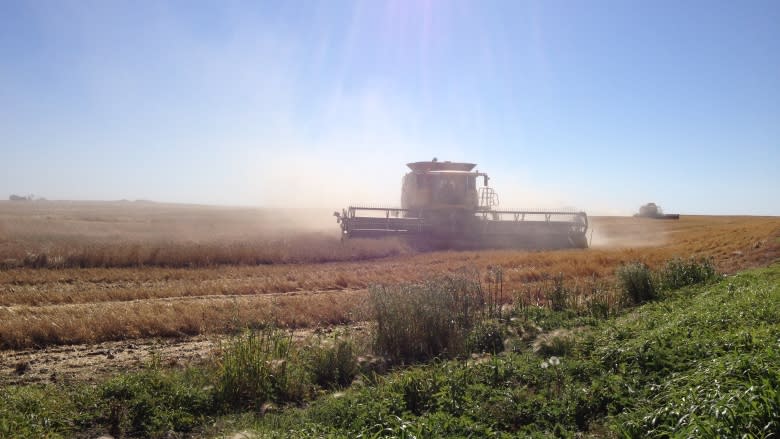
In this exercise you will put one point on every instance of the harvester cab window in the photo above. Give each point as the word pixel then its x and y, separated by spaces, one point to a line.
pixel 422 181
pixel 471 183
pixel 453 184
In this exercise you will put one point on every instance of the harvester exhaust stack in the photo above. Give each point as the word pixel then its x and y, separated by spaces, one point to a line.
pixel 441 206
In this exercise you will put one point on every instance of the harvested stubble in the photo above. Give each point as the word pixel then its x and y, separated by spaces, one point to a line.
pixel 25 327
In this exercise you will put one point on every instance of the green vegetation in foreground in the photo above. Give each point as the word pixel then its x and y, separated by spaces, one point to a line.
pixel 147 404
pixel 704 362
pixel 700 361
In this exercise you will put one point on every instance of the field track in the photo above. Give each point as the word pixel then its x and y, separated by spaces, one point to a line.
pixel 80 308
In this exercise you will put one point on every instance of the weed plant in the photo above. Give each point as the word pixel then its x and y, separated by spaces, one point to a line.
pixel 416 322
pixel 557 343
pixel 262 366
pixel 636 281
pixel 679 272
pixel 589 297
pixel 559 297
pixel 494 290
pixel 640 284
pixel 332 363
pixel 486 336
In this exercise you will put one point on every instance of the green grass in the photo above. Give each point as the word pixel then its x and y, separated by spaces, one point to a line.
pixel 704 363
pixel 701 361
pixel 152 403
pixel 148 403
pixel 36 411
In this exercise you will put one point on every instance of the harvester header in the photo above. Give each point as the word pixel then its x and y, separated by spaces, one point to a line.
pixel 442 206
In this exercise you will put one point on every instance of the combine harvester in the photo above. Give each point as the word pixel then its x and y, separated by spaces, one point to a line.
pixel 442 207
pixel 652 210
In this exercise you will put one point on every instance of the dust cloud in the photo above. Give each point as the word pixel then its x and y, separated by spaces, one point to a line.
pixel 50 221
pixel 611 232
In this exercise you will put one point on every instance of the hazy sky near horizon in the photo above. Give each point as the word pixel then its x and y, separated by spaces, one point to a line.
pixel 599 105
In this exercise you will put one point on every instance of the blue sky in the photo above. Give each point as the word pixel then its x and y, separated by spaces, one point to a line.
pixel 600 105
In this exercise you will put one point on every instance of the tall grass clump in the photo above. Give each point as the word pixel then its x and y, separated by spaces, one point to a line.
pixel 259 367
pixel 636 281
pixel 332 363
pixel 680 272
pixel 559 296
pixel 416 322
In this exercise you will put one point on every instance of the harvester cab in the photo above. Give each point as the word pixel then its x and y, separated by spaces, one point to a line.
pixel 442 206
pixel 441 185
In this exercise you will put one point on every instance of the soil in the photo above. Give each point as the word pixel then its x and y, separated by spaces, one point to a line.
pixel 93 362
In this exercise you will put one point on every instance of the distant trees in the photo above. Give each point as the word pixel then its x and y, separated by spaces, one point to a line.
pixel 30 197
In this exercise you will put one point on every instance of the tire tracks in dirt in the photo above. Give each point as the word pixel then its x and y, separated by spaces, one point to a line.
pixel 179 299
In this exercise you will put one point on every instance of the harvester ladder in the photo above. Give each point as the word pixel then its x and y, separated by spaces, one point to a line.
pixel 487 198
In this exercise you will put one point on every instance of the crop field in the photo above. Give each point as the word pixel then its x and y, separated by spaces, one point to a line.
pixel 100 280
pixel 151 320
